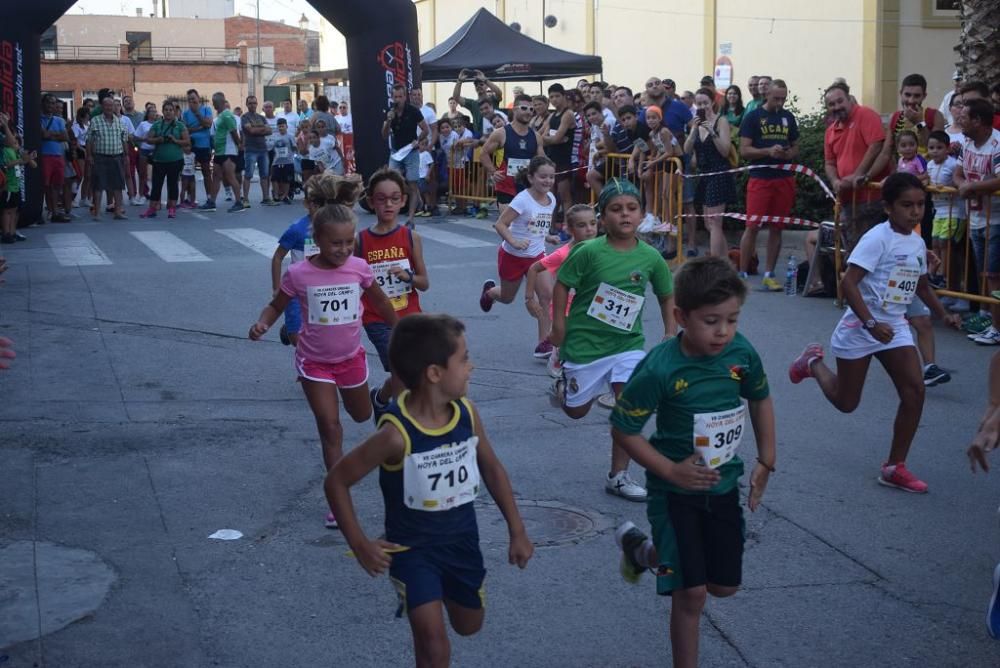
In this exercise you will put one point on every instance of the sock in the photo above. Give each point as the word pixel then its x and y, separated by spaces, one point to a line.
pixel 768 274
pixel 645 555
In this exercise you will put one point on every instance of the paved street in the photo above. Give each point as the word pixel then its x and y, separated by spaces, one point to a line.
pixel 138 420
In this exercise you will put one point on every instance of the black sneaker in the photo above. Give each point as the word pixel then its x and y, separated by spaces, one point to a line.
pixel 20 237
pixel 935 375
pixel 378 408
pixel 8 239
pixel 283 335
pixel 629 537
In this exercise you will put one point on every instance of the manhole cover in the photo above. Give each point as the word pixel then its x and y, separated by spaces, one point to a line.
pixel 549 523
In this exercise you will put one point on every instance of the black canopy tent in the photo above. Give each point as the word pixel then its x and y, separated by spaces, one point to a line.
pixel 503 54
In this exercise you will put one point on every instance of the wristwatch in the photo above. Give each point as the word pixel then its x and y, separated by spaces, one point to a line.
pixel 921 125
pixel 870 324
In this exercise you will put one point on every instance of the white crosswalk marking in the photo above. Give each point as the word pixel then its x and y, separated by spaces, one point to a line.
pixel 74 249
pixel 451 239
pixel 255 240
pixel 170 248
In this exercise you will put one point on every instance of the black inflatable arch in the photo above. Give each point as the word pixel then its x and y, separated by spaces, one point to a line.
pixel 382 50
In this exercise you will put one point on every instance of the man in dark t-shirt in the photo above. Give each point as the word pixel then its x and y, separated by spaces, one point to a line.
pixel 405 126
pixel 769 135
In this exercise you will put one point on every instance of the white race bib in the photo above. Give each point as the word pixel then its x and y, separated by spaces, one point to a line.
pixel 616 307
pixel 309 247
pixel 333 304
pixel 717 436
pixel 281 152
pixel 443 478
pixel 391 285
pixel 516 165
pixel 539 224
pixel 902 284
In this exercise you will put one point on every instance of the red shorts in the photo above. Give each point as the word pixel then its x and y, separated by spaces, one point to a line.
pixel 352 372
pixel 512 268
pixel 53 170
pixel 770 197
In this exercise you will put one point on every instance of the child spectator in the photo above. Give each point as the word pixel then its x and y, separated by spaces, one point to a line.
pixel 949 214
pixel 910 161
pixel 283 168
pixel 423 173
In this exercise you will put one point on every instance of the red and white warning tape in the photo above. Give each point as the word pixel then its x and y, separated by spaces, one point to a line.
pixel 788 167
pixel 785 220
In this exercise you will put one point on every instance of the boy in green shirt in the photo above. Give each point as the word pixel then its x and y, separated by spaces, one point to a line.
pixel 11 156
pixel 601 340
pixel 696 384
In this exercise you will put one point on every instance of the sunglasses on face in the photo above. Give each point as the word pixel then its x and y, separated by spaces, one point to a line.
pixel 523 107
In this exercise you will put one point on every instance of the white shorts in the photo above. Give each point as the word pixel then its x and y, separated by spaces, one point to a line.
pixel 585 382
pixel 851 341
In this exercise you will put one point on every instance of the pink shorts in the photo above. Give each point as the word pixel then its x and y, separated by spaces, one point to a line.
pixel 352 372
pixel 512 268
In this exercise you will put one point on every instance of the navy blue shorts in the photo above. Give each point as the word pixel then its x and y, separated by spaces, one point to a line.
pixel 454 572
pixel 379 334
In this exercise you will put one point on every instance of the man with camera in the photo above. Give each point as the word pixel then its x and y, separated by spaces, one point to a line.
pixel 485 89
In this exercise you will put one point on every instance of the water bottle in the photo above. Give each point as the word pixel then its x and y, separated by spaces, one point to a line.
pixel 791 277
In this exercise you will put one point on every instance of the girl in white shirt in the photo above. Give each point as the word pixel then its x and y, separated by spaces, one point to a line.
pixel 523 226
pixel 885 271
pixel 145 149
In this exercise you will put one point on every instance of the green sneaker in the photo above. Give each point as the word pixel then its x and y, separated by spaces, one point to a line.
pixel 629 538
pixel 977 324
pixel 482 213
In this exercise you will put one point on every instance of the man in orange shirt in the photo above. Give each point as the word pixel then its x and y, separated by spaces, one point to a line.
pixel 852 148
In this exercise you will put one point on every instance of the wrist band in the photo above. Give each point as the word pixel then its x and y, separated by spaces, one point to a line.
pixel 765 465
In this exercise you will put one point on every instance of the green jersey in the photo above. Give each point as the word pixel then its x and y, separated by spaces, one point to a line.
pixel 13 183
pixel 167 151
pixel 606 316
pixel 694 398
pixel 224 124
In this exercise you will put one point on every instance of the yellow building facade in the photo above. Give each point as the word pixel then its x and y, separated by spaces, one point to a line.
pixel 873 44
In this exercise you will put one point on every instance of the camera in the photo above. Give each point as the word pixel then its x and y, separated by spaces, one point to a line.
pixel 700 113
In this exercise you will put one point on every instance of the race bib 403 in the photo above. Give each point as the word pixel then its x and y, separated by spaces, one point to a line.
pixel 902 284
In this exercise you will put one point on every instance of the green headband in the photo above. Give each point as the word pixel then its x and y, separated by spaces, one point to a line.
pixel 614 188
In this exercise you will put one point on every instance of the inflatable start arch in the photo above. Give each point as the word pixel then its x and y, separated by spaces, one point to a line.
pixel 381 51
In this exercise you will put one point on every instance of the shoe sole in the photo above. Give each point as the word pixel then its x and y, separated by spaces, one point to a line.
pixel 937 380
pixel 487 285
pixel 994 632
pixel 542 356
pixel 882 481
pixel 634 499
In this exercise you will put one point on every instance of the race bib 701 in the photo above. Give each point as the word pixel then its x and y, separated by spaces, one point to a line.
pixel 333 304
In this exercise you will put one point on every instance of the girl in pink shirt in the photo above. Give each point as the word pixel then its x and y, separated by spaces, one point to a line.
pixel 329 356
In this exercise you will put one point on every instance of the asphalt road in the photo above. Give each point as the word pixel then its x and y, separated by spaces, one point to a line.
pixel 138 420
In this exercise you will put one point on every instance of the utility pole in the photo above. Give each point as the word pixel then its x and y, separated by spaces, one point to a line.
pixel 256 70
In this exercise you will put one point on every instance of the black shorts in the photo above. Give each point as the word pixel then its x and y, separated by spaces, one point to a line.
pixel 10 200
pixel 504 198
pixel 223 159
pixel 699 538
pixel 452 572
pixel 202 153
pixel 563 172
pixel 240 162
pixel 283 173
pixel 308 164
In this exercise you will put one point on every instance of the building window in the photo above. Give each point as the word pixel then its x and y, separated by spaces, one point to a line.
pixel 140 45
pixel 312 52
pixel 940 13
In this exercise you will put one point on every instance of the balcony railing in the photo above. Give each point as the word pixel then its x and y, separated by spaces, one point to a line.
pixel 144 53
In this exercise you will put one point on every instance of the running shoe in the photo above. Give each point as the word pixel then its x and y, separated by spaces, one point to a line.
pixel 269 202
pixel 620 484
pixel 423 214
pixel 629 539
pixel 482 213
pixel 557 392
pixel 378 408
pixel 8 239
pixel 245 202
pixel 148 213
pixel 606 400
pixel 229 194
pixel 20 237
pixel 769 284
pixel 898 476
pixel 554 364
pixel 236 208
pixel 331 522
pixel 799 370
pixel 283 336
pixel 171 212
pixel 990 337
pixel 485 301
pixel 209 205
pixel 935 375
pixel 993 612
pixel 543 350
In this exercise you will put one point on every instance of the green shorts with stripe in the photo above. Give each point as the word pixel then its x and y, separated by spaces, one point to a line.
pixel 699 538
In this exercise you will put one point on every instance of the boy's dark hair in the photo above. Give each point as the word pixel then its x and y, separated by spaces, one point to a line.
pixel 980 110
pixel 627 109
pixel 914 80
pixel 624 88
pixel 898 183
pixel 420 340
pixel 556 88
pixel 385 174
pixel 707 281
pixel 941 136
pixel 523 97
pixel 282 121
pixel 975 87
pixel 908 133
pixel 596 106
pixel 444 121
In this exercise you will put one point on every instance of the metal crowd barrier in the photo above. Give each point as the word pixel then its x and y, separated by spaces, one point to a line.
pixel 467 180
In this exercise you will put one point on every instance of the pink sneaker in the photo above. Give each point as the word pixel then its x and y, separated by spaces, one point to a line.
pixel 485 301
pixel 331 521
pixel 171 212
pixel 799 370
pixel 898 476
pixel 148 213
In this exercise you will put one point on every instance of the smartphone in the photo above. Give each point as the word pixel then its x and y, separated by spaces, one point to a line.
pixel 700 113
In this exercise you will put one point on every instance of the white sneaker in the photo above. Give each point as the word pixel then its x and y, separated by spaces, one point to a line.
pixel 606 400
pixel 990 337
pixel 622 485
pixel 85 203
pixel 557 392
pixel 554 365
pixel 135 201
